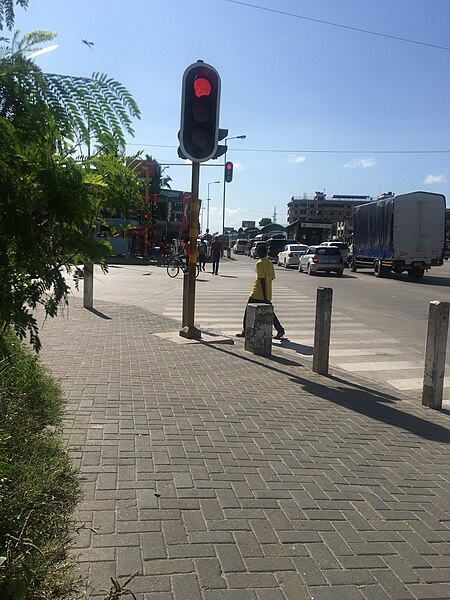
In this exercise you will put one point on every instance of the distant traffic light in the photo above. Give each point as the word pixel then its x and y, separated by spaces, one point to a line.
pixel 200 103
pixel 145 216
pixel 228 172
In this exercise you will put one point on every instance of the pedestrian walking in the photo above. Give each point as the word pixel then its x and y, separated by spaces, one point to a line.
pixel 262 289
pixel 216 252
pixel 201 251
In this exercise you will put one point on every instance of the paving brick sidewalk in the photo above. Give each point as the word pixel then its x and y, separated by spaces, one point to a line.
pixel 216 475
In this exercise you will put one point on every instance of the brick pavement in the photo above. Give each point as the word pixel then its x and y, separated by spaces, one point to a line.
pixel 214 474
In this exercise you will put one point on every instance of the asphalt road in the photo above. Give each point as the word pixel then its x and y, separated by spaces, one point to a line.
pixel 395 305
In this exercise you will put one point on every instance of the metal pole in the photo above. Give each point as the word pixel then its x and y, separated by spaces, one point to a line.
pixel 223 197
pixel 189 330
pixel 207 215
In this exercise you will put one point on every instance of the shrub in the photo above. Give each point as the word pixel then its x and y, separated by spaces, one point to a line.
pixel 39 488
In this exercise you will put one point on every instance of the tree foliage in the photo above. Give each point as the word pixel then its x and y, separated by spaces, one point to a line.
pixel 265 221
pixel 7 12
pixel 50 203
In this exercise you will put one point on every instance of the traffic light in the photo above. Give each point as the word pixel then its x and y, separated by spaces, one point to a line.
pixel 228 172
pixel 154 213
pixel 145 216
pixel 200 102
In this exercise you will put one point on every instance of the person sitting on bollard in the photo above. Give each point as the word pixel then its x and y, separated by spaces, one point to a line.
pixel 262 289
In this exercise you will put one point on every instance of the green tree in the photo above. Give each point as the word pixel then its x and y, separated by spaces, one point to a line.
pixel 265 221
pixel 7 12
pixel 50 202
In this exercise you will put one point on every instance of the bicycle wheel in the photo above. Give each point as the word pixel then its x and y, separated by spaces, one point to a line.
pixel 173 268
pixel 197 270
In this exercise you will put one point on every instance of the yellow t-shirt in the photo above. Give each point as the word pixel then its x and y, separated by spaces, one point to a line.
pixel 266 271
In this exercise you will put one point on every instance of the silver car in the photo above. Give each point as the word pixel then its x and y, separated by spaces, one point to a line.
pixel 343 247
pixel 321 258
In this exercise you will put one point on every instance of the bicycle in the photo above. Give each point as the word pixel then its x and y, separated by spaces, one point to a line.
pixel 177 263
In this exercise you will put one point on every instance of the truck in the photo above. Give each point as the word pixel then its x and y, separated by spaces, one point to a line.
pixel 399 233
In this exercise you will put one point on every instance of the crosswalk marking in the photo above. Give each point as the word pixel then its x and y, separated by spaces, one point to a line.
pixel 222 310
pixel 366 351
pixel 381 365
pixel 412 383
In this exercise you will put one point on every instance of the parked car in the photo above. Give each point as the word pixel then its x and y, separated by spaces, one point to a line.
pixel 254 247
pixel 240 246
pixel 321 258
pixel 288 257
pixel 250 243
pixel 275 245
pixel 343 247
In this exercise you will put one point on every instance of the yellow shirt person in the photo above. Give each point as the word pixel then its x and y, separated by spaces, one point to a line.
pixel 264 271
pixel 262 289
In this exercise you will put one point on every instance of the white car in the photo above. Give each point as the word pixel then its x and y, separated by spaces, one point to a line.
pixel 240 246
pixel 254 247
pixel 289 256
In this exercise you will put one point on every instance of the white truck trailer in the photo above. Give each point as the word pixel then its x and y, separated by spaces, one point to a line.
pixel 399 233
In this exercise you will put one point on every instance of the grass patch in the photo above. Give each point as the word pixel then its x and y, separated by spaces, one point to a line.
pixel 39 488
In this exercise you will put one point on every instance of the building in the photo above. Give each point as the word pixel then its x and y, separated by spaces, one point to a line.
pixel 313 220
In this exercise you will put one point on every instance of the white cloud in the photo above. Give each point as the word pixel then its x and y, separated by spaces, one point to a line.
pixel 360 163
pixel 296 159
pixel 430 179
pixel 239 166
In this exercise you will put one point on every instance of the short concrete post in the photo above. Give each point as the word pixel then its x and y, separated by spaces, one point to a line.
pixel 88 286
pixel 258 329
pixel 322 330
pixel 184 318
pixel 435 351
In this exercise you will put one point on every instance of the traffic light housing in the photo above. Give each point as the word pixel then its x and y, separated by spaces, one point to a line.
pixel 145 216
pixel 200 103
pixel 228 172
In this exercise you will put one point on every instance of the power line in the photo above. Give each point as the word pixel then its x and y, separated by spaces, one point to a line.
pixel 332 24
pixel 303 151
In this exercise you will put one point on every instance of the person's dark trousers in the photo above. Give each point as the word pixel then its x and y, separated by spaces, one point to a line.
pixel 202 261
pixel 215 264
pixel 276 323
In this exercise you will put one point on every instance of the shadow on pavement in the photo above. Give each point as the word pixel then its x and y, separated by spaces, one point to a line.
pixel 360 399
pixel 298 348
pixel 96 312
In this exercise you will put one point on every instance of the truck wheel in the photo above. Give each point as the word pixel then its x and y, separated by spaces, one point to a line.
pixel 352 267
pixel 416 273
pixel 378 270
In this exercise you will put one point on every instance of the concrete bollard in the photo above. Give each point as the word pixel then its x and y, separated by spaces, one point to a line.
pixel 88 286
pixel 258 329
pixel 184 317
pixel 435 351
pixel 322 331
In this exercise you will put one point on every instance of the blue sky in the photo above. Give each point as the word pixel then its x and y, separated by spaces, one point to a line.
pixel 291 85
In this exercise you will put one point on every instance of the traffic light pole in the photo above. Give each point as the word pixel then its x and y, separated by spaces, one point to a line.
pixel 189 330
pixel 223 198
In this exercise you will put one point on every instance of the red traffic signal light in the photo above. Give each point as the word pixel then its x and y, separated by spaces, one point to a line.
pixel 228 172
pixel 200 100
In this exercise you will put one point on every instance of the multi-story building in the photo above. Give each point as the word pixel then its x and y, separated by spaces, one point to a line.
pixel 313 220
